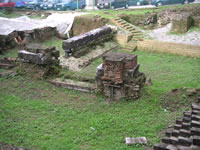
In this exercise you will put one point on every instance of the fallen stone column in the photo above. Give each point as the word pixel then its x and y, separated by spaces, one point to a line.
pixel 78 43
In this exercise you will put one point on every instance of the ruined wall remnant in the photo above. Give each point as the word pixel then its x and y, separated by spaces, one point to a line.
pixel 21 38
pixel 38 62
pixel 37 55
pixel 83 24
pixel 79 45
pixel 119 77
pixel 185 135
pixel 181 23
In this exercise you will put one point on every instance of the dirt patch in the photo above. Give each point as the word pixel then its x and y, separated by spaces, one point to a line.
pixel 177 98
pixel 83 24
pixel 4 146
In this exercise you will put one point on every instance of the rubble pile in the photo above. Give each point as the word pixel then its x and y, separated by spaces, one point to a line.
pixel 37 55
pixel 186 132
pixel 78 45
pixel 119 77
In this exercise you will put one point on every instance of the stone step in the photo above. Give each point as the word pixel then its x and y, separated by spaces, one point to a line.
pixel 187 114
pixel 195 117
pixel 160 146
pixel 166 140
pixel 168 133
pixel 186 119
pixel 195 106
pixel 70 84
pixel 175 133
pixel 195 131
pixel 195 124
pixel 186 126
pixel 196 112
pixel 173 140
pixel 184 141
pixel 196 140
pixel 177 126
pixel 185 133
pixel 179 121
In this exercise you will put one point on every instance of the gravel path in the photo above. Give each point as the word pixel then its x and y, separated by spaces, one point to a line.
pixel 162 34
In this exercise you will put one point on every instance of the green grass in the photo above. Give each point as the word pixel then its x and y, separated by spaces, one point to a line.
pixel 35 114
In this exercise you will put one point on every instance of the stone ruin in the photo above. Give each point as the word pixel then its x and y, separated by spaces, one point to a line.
pixel 79 45
pixel 119 77
pixel 181 23
pixel 186 132
pixel 22 38
pixel 37 55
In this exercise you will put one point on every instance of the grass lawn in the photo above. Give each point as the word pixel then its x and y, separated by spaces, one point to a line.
pixel 36 114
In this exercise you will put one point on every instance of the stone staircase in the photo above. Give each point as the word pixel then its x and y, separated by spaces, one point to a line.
pixel 134 32
pixel 186 132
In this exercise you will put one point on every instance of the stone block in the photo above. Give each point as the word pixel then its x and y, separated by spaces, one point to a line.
pixel 166 140
pixel 195 106
pixel 160 146
pixel 195 112
pixel 195 131
pixel 184 141
pixel 186 119
pixel 185 133
pixel 195 124
pixel 186 126
pixel 36 58
pixel 177 126
pixel 76 43
pixel 195 117
pixel 196 140
pixel 173 140
pixel 175 133
pixel 187 114
pixel 181 23
pixel 137 140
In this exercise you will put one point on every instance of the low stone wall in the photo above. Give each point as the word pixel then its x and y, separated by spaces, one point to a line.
pixel 21 38
pixel 78 45
pixel 167 47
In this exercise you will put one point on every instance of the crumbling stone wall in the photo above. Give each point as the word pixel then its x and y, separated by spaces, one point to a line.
pixel 83 24
pixel 119 77
pixel 159 19
pixel 21 38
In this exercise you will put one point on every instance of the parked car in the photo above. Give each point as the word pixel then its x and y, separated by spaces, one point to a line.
pixel 106 4
pixel 70 5
pixel 7 3
pixel 138 2
pixel 33 4
pixel 49 4
pixel 20 3
pixel 170 2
